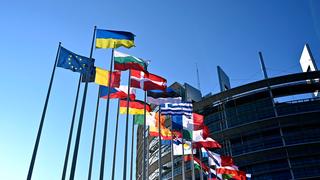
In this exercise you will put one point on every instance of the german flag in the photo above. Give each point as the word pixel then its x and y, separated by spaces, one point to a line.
pixel 135 107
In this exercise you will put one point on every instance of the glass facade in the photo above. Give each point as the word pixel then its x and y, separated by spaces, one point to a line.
pixel 268 138
pixel 266 145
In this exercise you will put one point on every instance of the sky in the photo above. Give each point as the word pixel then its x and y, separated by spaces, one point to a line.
pixel 174 35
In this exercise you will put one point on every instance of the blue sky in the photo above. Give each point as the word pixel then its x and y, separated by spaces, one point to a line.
pixel 173 34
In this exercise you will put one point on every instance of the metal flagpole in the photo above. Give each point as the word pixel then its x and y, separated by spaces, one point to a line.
pixel 148 152
pixel 115 142
pixel 35 149
pixel 132 138
pixel 192 162
pixel 94 136
pixel 126 134
pixel 183 169
pixel 201 171
pixel 172 160
pixel 192 156
pixel 144 140
pixel 159 149
pixel 76 148
pixel 66 159
pixel 105 131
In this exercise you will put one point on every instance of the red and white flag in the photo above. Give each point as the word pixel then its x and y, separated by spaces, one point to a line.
pixel 218 160
pixel 234 172
pixel 147 81
pixel 198 120
pixel 199 141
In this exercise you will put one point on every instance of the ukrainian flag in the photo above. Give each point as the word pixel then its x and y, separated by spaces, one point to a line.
pixel 113 39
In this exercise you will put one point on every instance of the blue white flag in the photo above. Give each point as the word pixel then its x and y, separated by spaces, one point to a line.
pixel 176 109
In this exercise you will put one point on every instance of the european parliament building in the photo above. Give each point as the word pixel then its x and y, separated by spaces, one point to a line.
pixel 268 133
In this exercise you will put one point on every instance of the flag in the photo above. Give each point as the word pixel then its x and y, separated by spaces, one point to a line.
pixel 176 109
pixel 120 92
pixel 184 124
pixel 199 141
pixel 218 160
pixel 102 77
pixel 164 131
pixel 197 121
pixel 204 153
pixel 177 147
pixel 135 107
pixel 197 163
pixel 74 62
pixel 158 101
pixel 187 123
pixel 166 142
pixel 213 175
pixel 177 144
pixel 206 143
pixel 232 172
pixel 205 132
pixel 158 97
pixel 176 122
pixel 150 119
pixel 147 81
pixel 89 76
pixel 124 62
pixel 113 39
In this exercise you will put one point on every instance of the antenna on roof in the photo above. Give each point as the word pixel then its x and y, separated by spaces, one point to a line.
pixel 198 77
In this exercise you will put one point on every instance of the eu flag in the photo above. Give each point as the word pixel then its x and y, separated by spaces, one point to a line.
pixel 74 62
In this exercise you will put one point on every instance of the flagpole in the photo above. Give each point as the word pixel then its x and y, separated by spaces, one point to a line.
pixel 104 145
pixel 132 140
pixel 172 164
pixel 115 142
pixel 94 135
pixel 66 159
pixel 144 140
pixel 192 162
pixel 126 134
pixel 148 154
pixel 201 171
pixel 35 149
pixel 183 169
pixel 159 150
pixel 76 148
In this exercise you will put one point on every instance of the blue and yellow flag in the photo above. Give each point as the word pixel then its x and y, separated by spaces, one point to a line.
pixel 74 62
pixel 114 39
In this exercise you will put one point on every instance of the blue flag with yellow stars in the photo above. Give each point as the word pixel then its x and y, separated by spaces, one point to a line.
pixel 74 62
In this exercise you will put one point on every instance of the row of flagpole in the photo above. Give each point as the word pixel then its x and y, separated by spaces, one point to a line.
pixel 79 128
pixel 145 161
pixel 74 160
